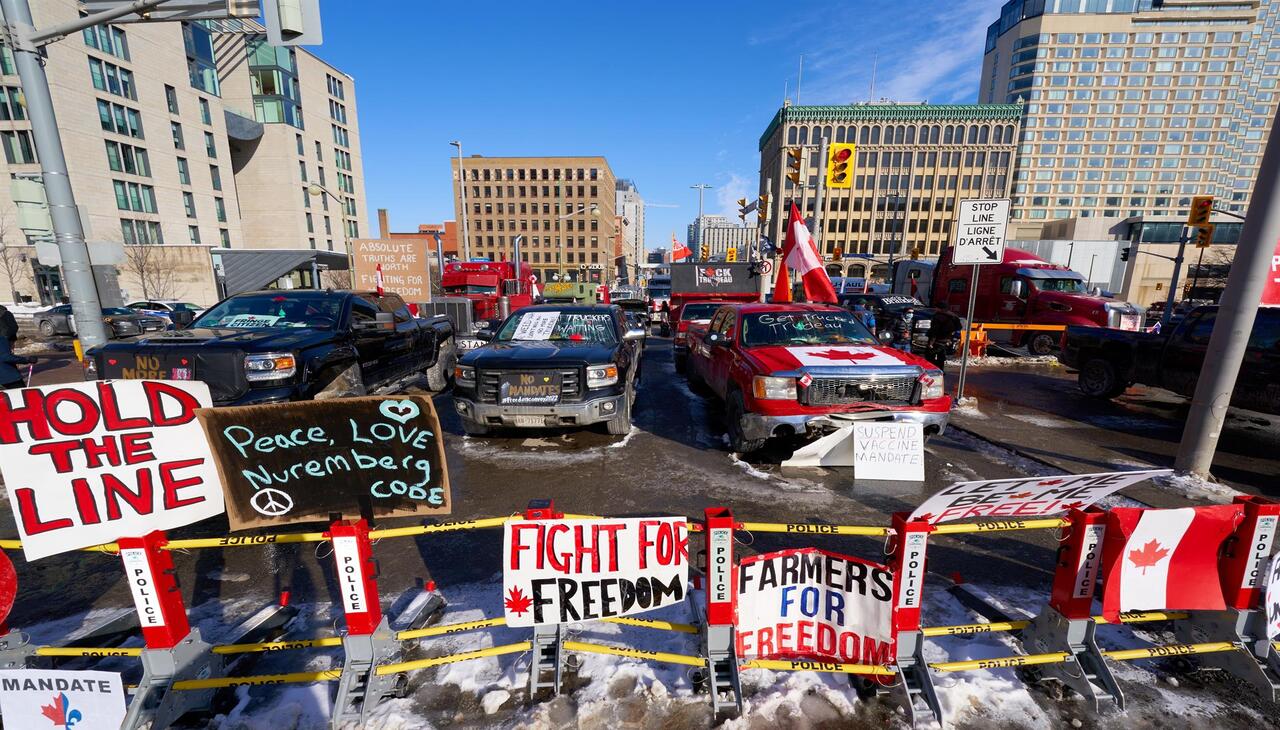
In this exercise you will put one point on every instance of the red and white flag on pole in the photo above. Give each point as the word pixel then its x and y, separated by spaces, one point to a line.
pixel 678 250
pixel 377 279
pixel 1165 559
pixel 799 253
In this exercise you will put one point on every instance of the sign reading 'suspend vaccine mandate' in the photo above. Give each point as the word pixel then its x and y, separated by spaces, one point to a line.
pixel 560 571
pixel 886 450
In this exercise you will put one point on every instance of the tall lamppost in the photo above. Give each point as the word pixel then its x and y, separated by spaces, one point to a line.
pixel 462 192
pixel 316 189
pixel 594 211
pixel 697 226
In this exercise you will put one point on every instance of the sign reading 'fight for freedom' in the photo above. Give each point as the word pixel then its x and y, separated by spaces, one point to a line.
pixel 86 463
pixel 1034 497
pixel 557 571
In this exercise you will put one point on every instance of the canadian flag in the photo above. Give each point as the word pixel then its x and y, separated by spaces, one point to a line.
pixel 678 250
pixel 800 254
pixel 1165 559
pixel 377 279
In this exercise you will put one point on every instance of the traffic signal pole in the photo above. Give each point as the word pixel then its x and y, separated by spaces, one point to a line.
pixel 24 40
pixel 1236 313
pixel 1173 283
pixel 817 196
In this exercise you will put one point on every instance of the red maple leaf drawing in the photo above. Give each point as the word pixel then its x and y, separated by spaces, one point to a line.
pixel 843 355
pixel 1148 556
pixel 1021 495
pixel 1050 482
pixel 517 602
pixel 1073 505
pixel 55 712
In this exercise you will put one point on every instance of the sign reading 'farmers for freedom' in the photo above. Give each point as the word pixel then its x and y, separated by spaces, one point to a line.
pixel 86 463
pixel 79 700
pixel 1032 497
pixel 557 571
pixel 302 462
pixel 812 604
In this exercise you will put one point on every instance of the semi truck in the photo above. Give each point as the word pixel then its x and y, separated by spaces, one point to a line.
pixel 473 294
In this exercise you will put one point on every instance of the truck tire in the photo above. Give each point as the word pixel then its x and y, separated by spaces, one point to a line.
pixel 1099 378
pixel 471 428
pixel 620 425
pixel 1042 344
pixel 342 382
pixel 441 374
pixel 735 409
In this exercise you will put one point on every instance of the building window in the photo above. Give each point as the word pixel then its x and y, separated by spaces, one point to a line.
pixel 210 146
pixel 127 158
pixel 171 98
pixel 119 119
pixel 328 227
pixel 202 65
pixel 273 76
pixel 184 173
pixel 141 232
pixel 215 177
pixel 193 232
pixel 335 86
pixel 189 204
pixel 18 148
pixel 302 170
pixel 176 130
pixel 112 79
pixel 338 112
pixel 225 236
pixel 11 107
pixel 301 149
pixel 319 151
pixel 306 198
pixel 108 39
pixel 205 116
pixel 134 196
pixel 311 227
pixel 220 209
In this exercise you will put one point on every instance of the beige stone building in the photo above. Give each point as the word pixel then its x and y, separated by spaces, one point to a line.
pixel 1132 106
pixel 563 207
pixel 913 164
pixel 164 146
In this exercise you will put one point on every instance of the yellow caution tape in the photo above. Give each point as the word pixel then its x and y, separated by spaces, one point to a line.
pixel 245 540
pixel 956 528
pixel 327 675
pixel 450 628
pixel 811 666
pixel 87 651
pixel 1001 662
pixel 1124 655
pixel 516 648
pixel 656 656
pixel 1132 617
pixel 652 624
pixel 277 645
pixel 441 527
pixel 796 529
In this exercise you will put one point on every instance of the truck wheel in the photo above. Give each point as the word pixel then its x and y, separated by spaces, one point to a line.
pixel 735 410
pixel 1098 379
pixel 471 428
pixel 46 328
pixel 343 382
pixel 1042 344
pixel 620 425
pixel 441 374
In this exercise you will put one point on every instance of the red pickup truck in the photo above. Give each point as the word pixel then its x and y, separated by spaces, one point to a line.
pixel 784 369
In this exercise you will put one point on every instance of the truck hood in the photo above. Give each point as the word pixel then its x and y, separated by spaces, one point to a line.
pixel 291 338
pixel 1081 305
pixel 538 354
pixel 834 359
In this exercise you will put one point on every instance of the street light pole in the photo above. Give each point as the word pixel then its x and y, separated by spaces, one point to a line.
pixel 316 189
pixel 701 188
pixel 462 192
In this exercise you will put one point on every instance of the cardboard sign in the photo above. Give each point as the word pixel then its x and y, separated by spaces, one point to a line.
pixel 536 326
pixel 302 462
pixel 405 264
pixel 812 604
pixel 61 700
pixel 1271 599
pixel 885 450
pixel 558 571
pixel 86 463
pixel 1026 498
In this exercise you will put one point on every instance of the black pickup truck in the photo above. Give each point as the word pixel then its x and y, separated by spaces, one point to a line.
pixel 1110 360
pixel 551 365
pixel 287 345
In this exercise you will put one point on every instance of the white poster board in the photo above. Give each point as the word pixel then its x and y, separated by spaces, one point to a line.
pixel 887 450
pixel 61 700
pixel 1026 497
pixel 562 571
pixel 536 326
pixel 86 463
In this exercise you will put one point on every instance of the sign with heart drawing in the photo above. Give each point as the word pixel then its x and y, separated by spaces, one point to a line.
pixel 304 462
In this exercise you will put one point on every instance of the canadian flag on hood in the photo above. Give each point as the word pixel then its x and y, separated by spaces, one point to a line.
pixel 1165 559
pixel 800 254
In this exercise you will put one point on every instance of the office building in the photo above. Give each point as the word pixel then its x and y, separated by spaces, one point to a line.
pixel 164 146
pixel 562 207
pixel 630 206
pixel 913 164
pixel 1132 106
pixel 719 239
pixel 694 235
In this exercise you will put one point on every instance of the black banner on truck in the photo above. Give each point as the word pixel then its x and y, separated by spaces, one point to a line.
pixel 716 277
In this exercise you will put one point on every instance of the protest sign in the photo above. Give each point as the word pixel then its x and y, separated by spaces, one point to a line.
pixel 557 571
pixel 83 700
pixel 1026 498
pixel 404 262
pixel 885 450
pixel 1271 599
pixel 812 604
pixel 86 463
pixel 302 462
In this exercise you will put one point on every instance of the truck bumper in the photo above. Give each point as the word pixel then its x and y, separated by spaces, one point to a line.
pixel 756 426
pixel 586 413
pixel 261 396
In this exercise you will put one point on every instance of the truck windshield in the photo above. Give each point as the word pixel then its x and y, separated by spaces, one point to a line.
pixel 254 311
pixel 1073 286
pixel 544 326
pixel 698 311
pixel 803 328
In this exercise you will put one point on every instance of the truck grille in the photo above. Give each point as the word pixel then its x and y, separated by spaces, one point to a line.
pixel 570 385
pixel 839 391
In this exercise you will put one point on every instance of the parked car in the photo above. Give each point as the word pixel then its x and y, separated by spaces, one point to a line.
pixel 119 321
pixel 552 365
pixel 1110 360
pixel 163 307
pixel 274 346
pixel 785 369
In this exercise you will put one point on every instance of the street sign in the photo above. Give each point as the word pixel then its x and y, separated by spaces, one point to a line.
pixel 980 231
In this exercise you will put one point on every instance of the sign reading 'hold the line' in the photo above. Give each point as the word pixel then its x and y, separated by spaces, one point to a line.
pixel 303 462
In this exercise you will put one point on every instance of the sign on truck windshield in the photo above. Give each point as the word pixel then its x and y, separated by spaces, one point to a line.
pixel 274 310
pixel 803 328
pixel 593 327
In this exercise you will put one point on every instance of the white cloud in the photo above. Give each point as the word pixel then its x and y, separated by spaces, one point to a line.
pixel 731 187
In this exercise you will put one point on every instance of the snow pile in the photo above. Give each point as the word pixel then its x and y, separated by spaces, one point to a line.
pixel 1005 360
pixel 1197 487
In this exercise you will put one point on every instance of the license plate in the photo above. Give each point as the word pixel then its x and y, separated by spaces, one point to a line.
pixel 529 388
pixel 529 421
pixel 180 374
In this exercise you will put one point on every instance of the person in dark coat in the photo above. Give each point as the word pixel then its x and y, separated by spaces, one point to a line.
pixel 902 329
pixel 10 375
pixel 8 325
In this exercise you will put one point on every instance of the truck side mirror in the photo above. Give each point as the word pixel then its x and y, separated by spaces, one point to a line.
pixel 182 318
pixel 485 334
pixel 1018 289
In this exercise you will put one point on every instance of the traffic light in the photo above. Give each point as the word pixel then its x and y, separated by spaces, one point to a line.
pixel 705 251
pixel 1201 209
pixel 840 165
pixel 793 164
pixel 837 254
pixel 1124 253
pixel 762 209
pixel 742 209
pixel 915 253
pixel 731 255
pixel 1204 237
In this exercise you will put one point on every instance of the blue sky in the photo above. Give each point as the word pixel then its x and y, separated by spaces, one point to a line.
pixel 671 94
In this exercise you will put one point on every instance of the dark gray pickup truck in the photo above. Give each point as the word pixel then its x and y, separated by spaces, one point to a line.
pixel 1110 360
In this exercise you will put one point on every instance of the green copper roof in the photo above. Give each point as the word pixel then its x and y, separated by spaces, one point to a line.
pixel 893 112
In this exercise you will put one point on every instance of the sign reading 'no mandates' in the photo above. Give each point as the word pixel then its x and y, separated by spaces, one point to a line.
pixel 980 231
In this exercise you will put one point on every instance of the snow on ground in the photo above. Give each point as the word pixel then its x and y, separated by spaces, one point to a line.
pixel 1006 360
pixel 23 311
pixel 1194 486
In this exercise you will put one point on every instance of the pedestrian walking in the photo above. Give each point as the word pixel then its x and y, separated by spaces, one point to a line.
pixel 944 329
pixel 10 375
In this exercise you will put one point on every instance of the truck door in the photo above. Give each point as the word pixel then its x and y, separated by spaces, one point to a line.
pixel 403 348
pixel 722 357
pixel 370 350
pixel 1011 302
pixel 1184 354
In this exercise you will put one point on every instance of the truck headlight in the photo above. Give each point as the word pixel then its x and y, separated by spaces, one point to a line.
pixel 270 366
pixel 599 376
pixel 931 385
pixel 464 375
pixel 768 387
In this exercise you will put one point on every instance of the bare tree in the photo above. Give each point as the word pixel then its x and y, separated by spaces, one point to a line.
pixel 336 279
pixel 147 264
pixel 13 260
